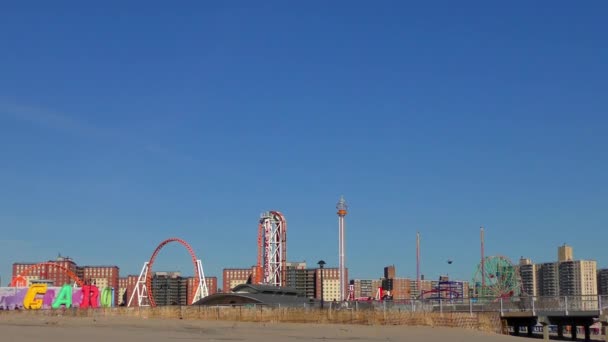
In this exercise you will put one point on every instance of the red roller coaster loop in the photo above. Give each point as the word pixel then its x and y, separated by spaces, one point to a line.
pixel 25 272
pixel 151 262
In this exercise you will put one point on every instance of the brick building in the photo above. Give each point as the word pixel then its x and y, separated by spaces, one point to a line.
pixel 331 283
pixel 102 277
pixel 401 289
pixel 364 288
pixel 232 277
pixel 47 272
pixel 169 288
pixel 211 286
pixel 126 286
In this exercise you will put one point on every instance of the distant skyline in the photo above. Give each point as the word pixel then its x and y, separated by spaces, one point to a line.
pixel 123 124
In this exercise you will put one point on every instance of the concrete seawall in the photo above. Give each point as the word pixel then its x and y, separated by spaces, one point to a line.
pixel 487 322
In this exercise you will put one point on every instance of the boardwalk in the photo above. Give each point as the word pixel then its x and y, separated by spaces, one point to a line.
pixel 551 312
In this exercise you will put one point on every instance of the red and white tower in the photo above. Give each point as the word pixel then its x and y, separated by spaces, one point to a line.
pixel 342 210
pixel 272 250
pixel 418 263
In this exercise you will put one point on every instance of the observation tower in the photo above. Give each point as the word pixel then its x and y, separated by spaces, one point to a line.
pixel 342 211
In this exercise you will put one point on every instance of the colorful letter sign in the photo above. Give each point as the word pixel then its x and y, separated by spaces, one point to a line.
pixel 64 298
pixel 42 296
pixel 30 301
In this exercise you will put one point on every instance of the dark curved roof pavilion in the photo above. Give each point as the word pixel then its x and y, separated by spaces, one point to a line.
pixel 257 294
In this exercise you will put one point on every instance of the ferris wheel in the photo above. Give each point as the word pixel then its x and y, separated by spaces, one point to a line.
pixel 497 277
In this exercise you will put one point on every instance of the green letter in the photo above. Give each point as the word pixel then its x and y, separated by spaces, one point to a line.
pixel 106 297
pixel 63 298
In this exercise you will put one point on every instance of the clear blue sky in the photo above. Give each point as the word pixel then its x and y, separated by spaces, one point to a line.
pixel 126 124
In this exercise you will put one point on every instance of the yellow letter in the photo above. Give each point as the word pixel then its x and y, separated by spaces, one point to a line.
pixel 30 301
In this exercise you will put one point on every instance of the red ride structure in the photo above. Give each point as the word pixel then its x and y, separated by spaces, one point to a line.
pixel 19 280
pixel 271 267
pixel 143 288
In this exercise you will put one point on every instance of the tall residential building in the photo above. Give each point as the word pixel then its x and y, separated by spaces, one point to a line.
pixel 169 288
pixel 577 278
pixel 398 288
pixel 527 273
pixel 389 272
pixel 566 277
pixel 425 286
pixel 602 281
pixel 376 284
pixel 301 278
pixel 331 283
pixel 364 288
pixel 401 288
pixel 547 279
pixel 564 253
pixel 231 277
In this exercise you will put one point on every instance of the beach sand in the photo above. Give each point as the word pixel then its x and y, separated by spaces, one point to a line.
pixel 114 329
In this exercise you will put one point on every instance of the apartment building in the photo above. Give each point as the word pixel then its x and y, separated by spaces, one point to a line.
pixel 331 283
pixel 389 272
pixel 565 253
pixel 401 288
pixel 602 281
pixel 547 279
pixel 301 278
pixel 566 277
pixel 376 284
pixel 124 290
pixel 425 286
pixel 577 278
pixel 527 272
pixel 46 272
pixel 363 288
pixel 191 281
pixel 169 288
pixel 231 277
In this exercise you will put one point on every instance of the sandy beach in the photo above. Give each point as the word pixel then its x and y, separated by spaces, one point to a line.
pixel 51 329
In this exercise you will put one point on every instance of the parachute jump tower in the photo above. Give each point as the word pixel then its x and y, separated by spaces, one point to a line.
pixel 342 211
pixel 272 250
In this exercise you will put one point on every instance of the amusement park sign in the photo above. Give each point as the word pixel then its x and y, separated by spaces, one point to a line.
pixel 41 296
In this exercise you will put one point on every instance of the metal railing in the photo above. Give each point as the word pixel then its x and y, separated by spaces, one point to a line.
pixel 566 305
pixel 526 305
pixel 533 305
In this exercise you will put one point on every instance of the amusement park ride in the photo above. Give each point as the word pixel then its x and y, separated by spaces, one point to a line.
pixel 496 277
pixel 272 250
pixel 143 288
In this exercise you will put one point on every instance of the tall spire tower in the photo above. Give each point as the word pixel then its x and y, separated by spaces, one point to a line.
pixel 342 210
pixel 483 257
pixel 418 262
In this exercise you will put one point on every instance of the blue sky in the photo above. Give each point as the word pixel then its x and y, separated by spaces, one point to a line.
pixel 126 124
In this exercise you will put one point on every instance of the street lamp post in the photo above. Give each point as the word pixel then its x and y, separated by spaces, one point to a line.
pixel 321 263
